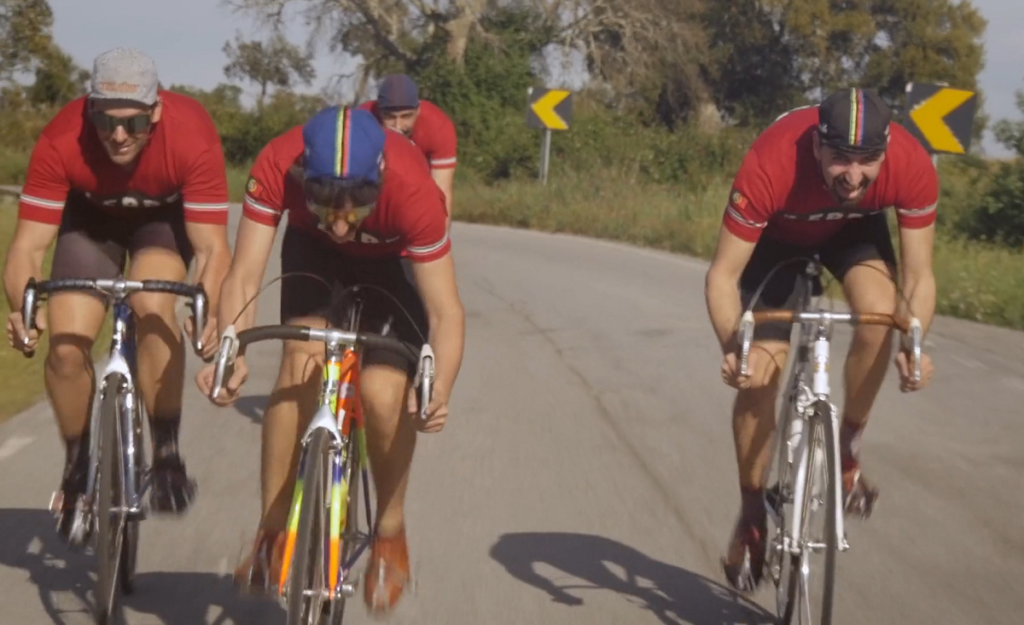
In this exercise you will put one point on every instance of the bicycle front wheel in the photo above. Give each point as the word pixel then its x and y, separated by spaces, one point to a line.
pixel 110 505
pixel 307 587
pixel 818 539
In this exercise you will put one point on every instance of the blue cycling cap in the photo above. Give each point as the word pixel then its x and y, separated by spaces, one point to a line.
pixel 343 143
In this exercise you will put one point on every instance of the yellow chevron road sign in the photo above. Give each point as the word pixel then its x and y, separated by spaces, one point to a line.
pixel 549 109
pixel 940 117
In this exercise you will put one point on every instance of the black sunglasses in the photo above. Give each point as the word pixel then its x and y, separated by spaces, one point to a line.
pixel 132 124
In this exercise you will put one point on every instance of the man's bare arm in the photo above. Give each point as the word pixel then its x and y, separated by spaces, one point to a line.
pixel 445 180
pixel 25 256
pixel 721 286
pixel 916 247
pixel 213 257
pixel 436 284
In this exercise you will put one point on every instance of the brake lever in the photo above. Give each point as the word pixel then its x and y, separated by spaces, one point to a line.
pixel 425 379
pixel 199 312
pixel 916 338
pixel 746 336
pixel 225 360
pixel 28 313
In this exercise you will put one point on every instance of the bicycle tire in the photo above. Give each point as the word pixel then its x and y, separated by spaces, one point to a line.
pixel 307 564
pixel 133 526
pixel 822 423
pixel 109 535
pixel 831 510
pixel 350 533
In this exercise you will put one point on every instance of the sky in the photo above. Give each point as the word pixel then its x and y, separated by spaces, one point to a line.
pixel 186 37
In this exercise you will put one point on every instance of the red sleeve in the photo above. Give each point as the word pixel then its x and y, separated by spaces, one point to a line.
pixel 46 185
pixel 444 144
pixel 264 192
pixel 205 191
pixel 425 233
pixel 750 200
pixel 917 192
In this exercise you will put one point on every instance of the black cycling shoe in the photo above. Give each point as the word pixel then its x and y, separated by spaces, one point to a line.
pixel 172 491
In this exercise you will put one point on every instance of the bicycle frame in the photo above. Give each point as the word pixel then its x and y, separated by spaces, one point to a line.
pixel 341 414
pixel 800 403
pixel 122 360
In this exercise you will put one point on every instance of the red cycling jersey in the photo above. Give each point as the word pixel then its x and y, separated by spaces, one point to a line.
pixel 433 133
pixel 779 189
pixel 182 161
pixel 409 216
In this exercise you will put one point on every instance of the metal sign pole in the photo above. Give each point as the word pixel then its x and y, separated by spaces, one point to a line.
pixel 545 156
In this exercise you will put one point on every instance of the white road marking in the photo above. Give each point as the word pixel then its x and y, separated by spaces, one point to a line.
pixel 13 445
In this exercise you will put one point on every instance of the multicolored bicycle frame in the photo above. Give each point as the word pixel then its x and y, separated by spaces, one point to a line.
pixel 341 414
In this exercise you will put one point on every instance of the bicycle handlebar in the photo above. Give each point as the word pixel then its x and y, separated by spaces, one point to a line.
pixel 233 343
pixel 750 319
pixel 119 289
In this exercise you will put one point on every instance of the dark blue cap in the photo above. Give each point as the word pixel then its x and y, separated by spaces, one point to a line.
pixel 397 91
pixel 343 143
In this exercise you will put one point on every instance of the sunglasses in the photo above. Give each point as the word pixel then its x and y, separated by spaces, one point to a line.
pixel 329 215
pixel 132 125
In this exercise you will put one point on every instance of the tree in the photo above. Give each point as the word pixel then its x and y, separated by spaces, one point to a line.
pixel 58 80
pixel 25 34
pixel 274 63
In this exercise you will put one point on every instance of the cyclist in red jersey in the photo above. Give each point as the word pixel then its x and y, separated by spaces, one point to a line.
pixel 399 107
pixel 128 171
pixel 818 181
pixel 358 197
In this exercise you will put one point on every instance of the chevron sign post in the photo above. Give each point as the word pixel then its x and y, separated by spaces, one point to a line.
pixel 548 109
pixel 940 117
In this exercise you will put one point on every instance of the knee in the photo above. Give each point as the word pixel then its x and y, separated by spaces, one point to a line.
pixel 150 307
pixel 69 354
pixel 300 361
pixel 383 395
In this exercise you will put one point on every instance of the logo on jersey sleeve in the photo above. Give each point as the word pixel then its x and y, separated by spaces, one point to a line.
pixel 738 200
pixel 253 187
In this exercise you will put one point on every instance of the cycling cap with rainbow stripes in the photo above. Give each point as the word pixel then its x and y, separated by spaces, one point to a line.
pixel 343 143
pixel 854 120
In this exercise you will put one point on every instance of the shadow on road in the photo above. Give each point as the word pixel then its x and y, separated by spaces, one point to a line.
pixel 252 406
pixel 673 594
pixel 65 581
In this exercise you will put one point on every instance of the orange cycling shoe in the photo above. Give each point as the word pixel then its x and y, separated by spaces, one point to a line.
pixel 387 573
pixel 260 572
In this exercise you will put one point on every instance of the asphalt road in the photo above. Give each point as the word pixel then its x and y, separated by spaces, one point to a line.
pixel 587 472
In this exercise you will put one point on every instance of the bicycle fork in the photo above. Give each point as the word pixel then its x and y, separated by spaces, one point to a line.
pixel 129 435
pixel 800 442
pixel 327 418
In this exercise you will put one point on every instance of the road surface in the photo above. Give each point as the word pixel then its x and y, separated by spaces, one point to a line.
pixel 587 472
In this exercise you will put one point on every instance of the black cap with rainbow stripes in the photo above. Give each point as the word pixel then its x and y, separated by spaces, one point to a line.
pixel 854 120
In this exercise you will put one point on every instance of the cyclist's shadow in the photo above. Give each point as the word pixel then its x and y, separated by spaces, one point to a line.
pixel 65 581
pixel 673 594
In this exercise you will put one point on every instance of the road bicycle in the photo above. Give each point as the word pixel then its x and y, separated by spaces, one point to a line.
pixel 119 478
pixel 324 539
pixel 805 505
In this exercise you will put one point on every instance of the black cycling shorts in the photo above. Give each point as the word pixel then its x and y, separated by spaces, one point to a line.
pixel 93 243
pixel 862 239
pixel 305 296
